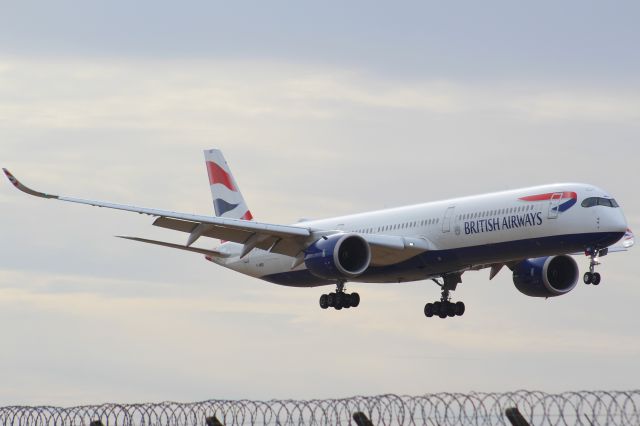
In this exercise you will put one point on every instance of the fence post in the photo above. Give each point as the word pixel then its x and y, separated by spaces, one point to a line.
pixel 515 417
pixel 361 419
pixel 212 421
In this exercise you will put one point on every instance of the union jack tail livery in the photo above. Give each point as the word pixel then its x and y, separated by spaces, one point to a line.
pixel 227 199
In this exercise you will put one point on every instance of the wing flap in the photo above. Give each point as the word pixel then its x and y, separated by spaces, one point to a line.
pixel 275 242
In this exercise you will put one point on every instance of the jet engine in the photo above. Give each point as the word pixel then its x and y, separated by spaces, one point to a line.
pixel 546 276
pixel 340 256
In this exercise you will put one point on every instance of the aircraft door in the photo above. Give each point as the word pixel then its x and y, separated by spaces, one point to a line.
pixel 446 220
pixel 554 205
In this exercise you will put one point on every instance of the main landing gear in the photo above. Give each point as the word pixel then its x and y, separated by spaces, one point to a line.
pixel 592 277
pixel 339 299
pixel 445 308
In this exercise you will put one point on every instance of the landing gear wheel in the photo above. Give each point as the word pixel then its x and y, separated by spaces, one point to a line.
pixel 428 310
pixel 331 300
pixel 445 308
pixel 451 309
pixel 354 300
pixel 324 303
pixel 592 277
pixel 339 301
pixel 437 307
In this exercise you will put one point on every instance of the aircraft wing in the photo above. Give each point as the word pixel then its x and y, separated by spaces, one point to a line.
pixel 236 230
pixel 282 239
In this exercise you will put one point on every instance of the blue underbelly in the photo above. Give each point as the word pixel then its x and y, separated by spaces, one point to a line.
pixel 438 262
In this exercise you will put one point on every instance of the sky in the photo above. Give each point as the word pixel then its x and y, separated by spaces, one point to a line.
pixel 321 110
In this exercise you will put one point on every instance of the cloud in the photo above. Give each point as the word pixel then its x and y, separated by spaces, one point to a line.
pixel 586 106
pixel 205 94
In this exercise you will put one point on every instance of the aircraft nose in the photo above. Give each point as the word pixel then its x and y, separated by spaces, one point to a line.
pixel 617 221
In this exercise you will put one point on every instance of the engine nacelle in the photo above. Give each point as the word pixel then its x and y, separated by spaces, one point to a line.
pixel 546 276
pixel 340 256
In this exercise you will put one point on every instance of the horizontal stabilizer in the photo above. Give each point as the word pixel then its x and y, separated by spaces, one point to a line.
pixel 212 253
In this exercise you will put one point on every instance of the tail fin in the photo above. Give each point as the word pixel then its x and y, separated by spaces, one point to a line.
pixel 227 198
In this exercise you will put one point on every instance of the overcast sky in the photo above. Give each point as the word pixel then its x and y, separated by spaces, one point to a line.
pixel 321 110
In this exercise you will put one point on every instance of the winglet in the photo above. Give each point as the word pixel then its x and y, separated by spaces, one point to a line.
pixel 24 188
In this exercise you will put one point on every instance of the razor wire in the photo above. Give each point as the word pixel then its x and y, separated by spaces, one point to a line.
pixel 539 408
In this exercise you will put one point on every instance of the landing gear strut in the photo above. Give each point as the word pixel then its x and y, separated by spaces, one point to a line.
pixel 445 308
pixel 593 277
pixel 339 299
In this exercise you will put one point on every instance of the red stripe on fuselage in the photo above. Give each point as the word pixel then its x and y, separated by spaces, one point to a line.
pixel 218 175
pixel 543 197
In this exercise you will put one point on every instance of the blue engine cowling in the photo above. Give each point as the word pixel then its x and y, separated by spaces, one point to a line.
pixel 546 276
pixel 340 256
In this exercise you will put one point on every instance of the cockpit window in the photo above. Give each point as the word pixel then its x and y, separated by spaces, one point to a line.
pixel 599 201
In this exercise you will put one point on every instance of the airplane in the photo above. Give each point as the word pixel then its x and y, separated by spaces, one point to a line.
pixel 533 231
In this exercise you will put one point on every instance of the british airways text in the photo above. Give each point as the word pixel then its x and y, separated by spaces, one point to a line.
pixel 507 222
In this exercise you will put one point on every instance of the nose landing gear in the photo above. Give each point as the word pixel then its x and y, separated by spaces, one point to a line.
pixel 593 277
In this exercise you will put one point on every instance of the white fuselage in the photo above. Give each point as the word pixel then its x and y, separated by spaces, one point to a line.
pixel 485 229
